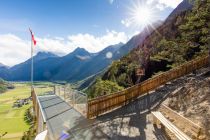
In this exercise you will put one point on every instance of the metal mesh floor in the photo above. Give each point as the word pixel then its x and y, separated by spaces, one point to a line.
pixel 61 119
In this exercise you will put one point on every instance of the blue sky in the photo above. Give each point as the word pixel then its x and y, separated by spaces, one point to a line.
pixel 62 25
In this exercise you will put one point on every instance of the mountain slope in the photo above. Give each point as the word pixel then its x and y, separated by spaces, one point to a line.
pixel 134 42
pixel 140 57
pixel 73 67
pixel 137 40
pixel 98 63
pixel 3 66
pixel 71 64
pixel 22 70
pixel 176 41
pixel 4 71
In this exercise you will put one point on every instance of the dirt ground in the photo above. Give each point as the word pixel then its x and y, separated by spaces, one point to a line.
pixel 193 99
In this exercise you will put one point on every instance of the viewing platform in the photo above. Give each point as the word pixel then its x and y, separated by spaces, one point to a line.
pixel 62 121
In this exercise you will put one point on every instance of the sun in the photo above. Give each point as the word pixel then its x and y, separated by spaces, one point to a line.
pixel 142 16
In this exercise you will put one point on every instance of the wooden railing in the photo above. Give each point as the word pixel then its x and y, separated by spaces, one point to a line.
pixel 39 116
pixel 107 103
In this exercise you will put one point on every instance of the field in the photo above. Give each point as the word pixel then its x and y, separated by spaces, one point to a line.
pixel 12 119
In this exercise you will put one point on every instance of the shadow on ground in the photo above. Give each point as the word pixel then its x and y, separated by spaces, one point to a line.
pixel 130 122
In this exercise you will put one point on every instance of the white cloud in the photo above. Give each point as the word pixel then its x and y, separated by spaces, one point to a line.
pixel 162 4
pixel 161 7
pixel 95 44
pixel 56 45
pixel 14 50
pixel 170 3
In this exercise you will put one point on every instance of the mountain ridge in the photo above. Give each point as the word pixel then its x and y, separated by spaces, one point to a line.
pixel 51 65
pixel 74 66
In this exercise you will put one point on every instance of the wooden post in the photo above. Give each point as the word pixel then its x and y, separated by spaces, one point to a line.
pixel 154 120
pixel 64 96
pixel 54 89
pixel 148 100
pixel 33 99
pixel 87 111
pixel 73 98
pixel 59 90
pixel 37 119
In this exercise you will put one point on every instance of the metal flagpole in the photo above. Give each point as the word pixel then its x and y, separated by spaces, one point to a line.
pixel 32 65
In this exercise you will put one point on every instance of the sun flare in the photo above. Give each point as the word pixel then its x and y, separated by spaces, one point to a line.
pixel 142 16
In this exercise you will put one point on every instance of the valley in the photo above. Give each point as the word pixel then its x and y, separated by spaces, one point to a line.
pixel 13 119
pixel 99 73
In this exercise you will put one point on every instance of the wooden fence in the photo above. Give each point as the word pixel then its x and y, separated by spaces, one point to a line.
pixel 107 103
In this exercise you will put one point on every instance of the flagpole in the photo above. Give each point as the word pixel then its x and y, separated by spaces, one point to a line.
pixel 32 64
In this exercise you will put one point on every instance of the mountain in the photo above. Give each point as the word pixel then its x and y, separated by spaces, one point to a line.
pixel 71 64
pixel 98 63
pixel 3 66
pixel 44 55
pixel 183 6
pixel 182 37
pixel 22 71
pixel 85 83
pixel 48 66
pixel 81 64
pixel 118 52
pixel 59 68
pixel 75 66
pixel 4 71
pixel 137 40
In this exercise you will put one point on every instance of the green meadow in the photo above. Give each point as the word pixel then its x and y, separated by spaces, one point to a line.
pixel 12 119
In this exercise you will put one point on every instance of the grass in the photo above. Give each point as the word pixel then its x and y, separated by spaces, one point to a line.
pixel 12 119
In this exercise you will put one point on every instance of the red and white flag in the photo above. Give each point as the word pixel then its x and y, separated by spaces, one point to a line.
pixel 32 37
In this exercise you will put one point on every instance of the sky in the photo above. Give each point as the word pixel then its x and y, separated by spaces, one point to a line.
pixel 60 26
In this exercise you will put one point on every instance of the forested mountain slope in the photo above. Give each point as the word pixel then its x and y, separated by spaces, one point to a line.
pixel 183 36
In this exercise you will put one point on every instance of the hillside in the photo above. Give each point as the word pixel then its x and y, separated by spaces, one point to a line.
pixel 183 36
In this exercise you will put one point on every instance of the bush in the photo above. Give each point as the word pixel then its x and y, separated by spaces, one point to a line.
pixel 102 87
pixel 31 133
pixel 3 88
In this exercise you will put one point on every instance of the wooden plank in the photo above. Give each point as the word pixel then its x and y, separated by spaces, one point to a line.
pixel 192 127
pixel 178 133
